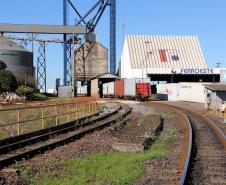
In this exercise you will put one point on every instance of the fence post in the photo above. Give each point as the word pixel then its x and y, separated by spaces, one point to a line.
pixel 18 124
pixel 225 116
pixel 76 111
pixel 83 111
pixel 97 107
pixel 42 117
pixel 89 109
pixel 92 107
pixel 67 113
pixel 56 115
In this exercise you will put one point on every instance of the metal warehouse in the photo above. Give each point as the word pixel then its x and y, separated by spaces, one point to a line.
pixel 170 59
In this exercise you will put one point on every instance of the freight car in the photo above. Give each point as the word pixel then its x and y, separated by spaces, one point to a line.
pixel 109 90
pixel 135 88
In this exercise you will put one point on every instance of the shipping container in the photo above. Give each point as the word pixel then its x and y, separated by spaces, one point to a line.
pixel 143 89
pixel 130 87
pixel 82 90
pixel 108 89
pixel 119 88
pixel 65 91
pixel 135 87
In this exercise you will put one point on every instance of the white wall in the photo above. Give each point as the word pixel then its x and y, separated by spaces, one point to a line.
pixel 193 92
pixel 184 91
pixel 168 91
pixel 126 69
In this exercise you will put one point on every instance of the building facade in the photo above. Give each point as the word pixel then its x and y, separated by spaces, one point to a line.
pixel 165 58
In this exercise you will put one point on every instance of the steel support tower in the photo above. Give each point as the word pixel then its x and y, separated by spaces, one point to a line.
pixel 41 66
pixel 67 47
pixel 112 36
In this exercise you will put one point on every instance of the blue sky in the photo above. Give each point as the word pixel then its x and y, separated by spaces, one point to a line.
pixel 204 18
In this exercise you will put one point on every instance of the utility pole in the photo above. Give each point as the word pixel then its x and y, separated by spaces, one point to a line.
pixel 218 65
pixel 123 31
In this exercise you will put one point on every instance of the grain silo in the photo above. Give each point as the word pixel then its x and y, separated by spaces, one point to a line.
pixel 91 60
pixel 18 60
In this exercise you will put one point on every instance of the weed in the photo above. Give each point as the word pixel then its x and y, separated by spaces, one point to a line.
pixel 102 168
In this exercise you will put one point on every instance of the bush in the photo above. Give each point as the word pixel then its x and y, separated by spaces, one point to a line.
pixel 3 66
pixel 8 82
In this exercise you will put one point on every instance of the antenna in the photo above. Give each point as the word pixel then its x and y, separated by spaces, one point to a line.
pixel 123 30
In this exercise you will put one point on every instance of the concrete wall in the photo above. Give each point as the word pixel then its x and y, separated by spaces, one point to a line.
pixel 96 61
pixel 168 92
pixel 193 92
pixel 95 88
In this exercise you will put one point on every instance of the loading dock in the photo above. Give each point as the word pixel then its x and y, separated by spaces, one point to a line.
pixel 96 83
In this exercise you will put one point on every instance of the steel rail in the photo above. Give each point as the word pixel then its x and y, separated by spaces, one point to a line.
pixel 182 179
pixel 219 134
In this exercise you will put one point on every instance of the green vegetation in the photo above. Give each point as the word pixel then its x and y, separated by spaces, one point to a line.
pixel 8 81
pixel 23 90
pixel 101 168
pixel 102 106
pixel 3 66
pixel 141 119
pixel 39 96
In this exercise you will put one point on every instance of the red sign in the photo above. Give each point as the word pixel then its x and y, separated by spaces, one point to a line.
pixel 162 54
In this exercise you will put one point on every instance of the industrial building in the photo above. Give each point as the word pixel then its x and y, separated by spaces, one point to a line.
pixel 170 59
pixel 18 60
pixel 212 95
pixel 91 60
pixel 215 95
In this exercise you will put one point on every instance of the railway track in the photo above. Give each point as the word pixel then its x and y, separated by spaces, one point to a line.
pixel 28 145
pixel 207 161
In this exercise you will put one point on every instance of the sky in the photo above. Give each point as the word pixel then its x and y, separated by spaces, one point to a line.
pixel 204 18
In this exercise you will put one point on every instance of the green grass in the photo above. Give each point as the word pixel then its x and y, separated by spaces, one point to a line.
pixel 141 119
pixel 103 106
pixel 102 168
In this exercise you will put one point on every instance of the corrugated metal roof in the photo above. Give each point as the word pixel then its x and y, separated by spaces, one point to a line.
pixel 165 52
pixel 7 44
pixel 216 87
pixel 107 75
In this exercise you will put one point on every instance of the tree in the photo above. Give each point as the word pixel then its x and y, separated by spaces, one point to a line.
pixel 8 82
pixel 2 65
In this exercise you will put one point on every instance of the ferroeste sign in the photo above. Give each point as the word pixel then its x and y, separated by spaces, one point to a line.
pixel 198 71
